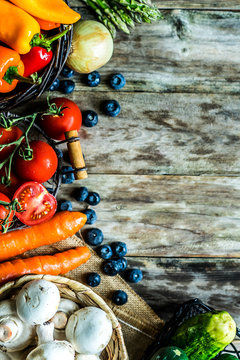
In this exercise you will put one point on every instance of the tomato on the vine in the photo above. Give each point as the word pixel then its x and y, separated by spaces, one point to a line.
pixel 8 136
pixel 37 203
pixel 42 166
pixel 14 185
pixel 67 117
pixel 4 212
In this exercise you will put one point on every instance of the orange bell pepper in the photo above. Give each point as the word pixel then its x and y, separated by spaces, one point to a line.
pixel 51 10
pixel 17 28
pixel 11 70
pixel 46 25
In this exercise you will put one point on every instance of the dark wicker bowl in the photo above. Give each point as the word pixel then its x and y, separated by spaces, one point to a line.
pixel 184 312
pixel 24 92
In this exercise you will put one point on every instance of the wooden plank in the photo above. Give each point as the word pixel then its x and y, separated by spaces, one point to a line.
pixel 189 51
pixel 166 215
pixel 169 282
pixel 162 134
pixel 188 4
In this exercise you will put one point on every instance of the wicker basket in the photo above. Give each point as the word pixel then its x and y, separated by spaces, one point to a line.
pixel 74 290
pixel 24 92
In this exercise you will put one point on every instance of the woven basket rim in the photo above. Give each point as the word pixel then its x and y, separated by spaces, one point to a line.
pixel 78 289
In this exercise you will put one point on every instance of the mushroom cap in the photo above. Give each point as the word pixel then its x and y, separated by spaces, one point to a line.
pixel 23 333
pixel 54 350
pixel 37 301
pixel 87 357
pixel 89 330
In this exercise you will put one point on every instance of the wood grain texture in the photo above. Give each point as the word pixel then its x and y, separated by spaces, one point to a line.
pixel 188 4
pixel 169 282
pixel 162 134
pixel 166 215
pixel 187 52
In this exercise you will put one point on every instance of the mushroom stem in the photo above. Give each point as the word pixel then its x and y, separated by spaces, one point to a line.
pixel 8 330
pixel 45 332
pixel 60 320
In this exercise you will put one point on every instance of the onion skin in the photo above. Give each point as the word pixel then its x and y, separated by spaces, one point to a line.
pixel 92 46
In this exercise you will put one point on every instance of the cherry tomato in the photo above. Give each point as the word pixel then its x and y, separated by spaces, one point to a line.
pixel 70 118
pixel 15 183
pixel 7 136
pixel 37 203
pixel 4 212
pixel 42 166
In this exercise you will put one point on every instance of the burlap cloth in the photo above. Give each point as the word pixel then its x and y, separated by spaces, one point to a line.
pixel 139 323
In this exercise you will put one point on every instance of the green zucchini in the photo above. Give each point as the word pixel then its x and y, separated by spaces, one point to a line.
pixel 169 353
pixel 203 336
pixel 226 357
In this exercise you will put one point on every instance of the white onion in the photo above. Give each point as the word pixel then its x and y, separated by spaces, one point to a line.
pixel 92 46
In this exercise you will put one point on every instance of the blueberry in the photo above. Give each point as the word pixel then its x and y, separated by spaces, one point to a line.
pixel 105 252
pixel 122 263
pixel 65 205
pixel 91 216
pixel 93 198
pixel 66 72
pixel 119 248
pixel 134 275
pixel 89 118
pixel 111 108
pixel 59 153
pixel 67 175
pixel 111 267
pixel 119 297
pixel 55 85
pixel 67 86
pixel 93 79
pixel 117 81
pixel 81 193
pixel 94 237
pixel 93 279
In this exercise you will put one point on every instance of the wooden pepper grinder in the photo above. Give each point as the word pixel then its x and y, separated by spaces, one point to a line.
pixel 76 155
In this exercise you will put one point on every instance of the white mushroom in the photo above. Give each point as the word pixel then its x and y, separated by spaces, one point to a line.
pixel 87 357
pixel 37 301
pixel 13 356
pixel 89 330
pixel 48 348
pixel 15 334
pixel 65 310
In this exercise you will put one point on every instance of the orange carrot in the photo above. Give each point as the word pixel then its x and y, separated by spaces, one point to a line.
pixel 59 227
pixel 59 263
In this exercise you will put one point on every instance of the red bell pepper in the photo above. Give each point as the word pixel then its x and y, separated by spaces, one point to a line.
pixel 40 54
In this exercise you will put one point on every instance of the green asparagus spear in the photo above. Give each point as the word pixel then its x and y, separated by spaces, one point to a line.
pixel 115 18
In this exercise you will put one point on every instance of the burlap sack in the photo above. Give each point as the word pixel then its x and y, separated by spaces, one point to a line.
pixel 140 324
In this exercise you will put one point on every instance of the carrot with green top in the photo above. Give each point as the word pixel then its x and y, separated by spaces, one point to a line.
pixel 61 226
pixel 59 263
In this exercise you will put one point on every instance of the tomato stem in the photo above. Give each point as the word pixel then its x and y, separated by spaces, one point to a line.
pixel 12 207
pixel 25 152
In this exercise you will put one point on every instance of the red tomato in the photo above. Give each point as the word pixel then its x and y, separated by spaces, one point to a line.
pixel 70 118
pixel 4 212
pixel 15 183
pixel 42 166
pixel 38 204
pixel 7 136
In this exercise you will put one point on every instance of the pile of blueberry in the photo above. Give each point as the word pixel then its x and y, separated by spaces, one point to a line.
pixel 114 253
pixel 109 107
pixel 66 86
pixel 115 263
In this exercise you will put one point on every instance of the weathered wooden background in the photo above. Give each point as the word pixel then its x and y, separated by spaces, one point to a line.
pixel 167 168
